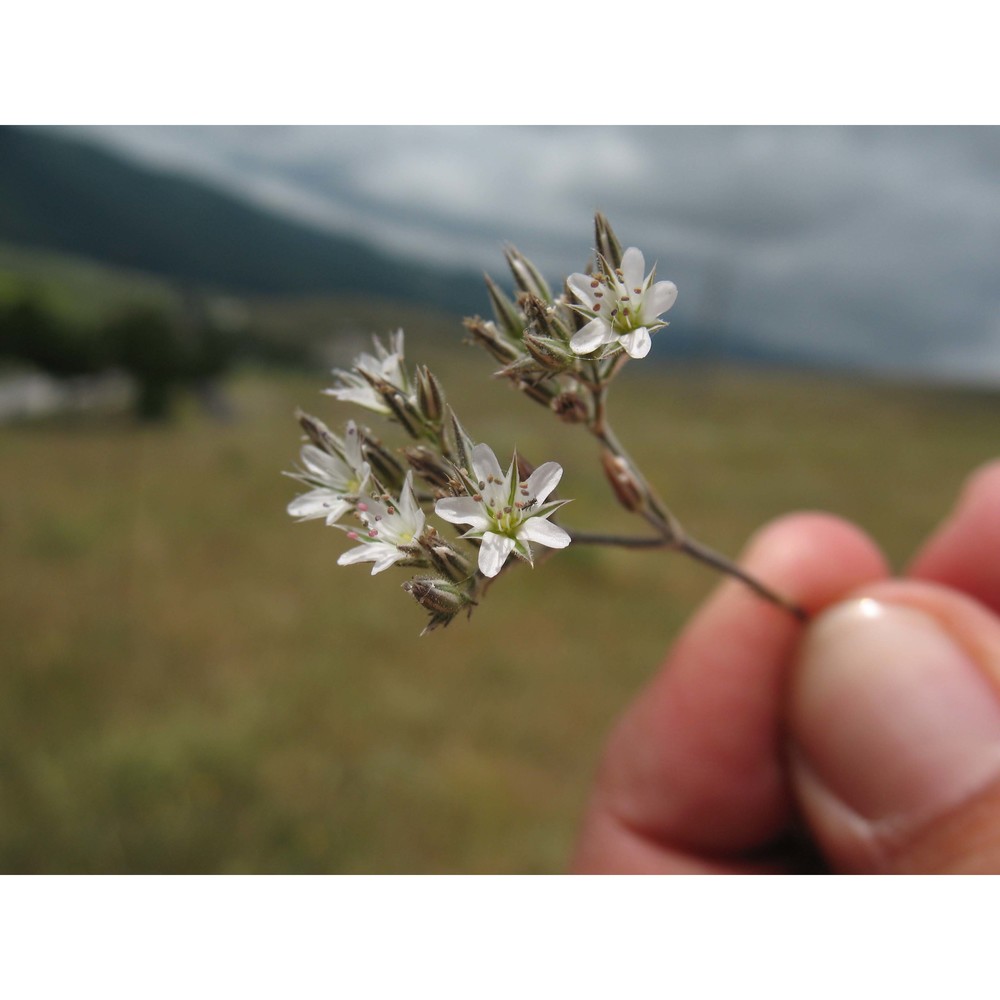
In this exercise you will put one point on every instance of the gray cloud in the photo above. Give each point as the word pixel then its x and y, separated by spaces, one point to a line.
pixel 874 246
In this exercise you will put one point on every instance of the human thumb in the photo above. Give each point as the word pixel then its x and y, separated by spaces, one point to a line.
pixel 894 720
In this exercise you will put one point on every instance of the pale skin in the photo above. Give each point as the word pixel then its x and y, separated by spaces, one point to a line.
pixel 867 740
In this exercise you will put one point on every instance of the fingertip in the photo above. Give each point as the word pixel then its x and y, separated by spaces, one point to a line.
pixel 954 554
pixel 814 558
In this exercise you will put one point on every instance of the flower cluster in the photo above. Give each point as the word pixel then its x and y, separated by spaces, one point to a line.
pixel 360 487
pixel 562 351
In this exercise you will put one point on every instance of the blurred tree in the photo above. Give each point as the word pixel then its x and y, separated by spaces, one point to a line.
pixel 29 332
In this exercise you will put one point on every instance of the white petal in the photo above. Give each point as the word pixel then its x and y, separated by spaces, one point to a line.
pixel 659 299
pixel 337 511
pixel 315 503
pixel 544 480
pixel 485 464
pixel 462 510
pixel 366 397
pixel 636 343
pixel 633 268
pixel 593 335
pixel 493 553
pixel 580 286
pixel 407 501
pixel 352 446
pixel 319 463
pixel 537 529
pixel 386 557
pixel 361 553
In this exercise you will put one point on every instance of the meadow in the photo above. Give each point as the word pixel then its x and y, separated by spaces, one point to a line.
pixel 189 682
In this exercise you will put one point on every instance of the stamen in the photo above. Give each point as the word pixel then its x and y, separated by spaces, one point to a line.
pixel 372 533
pixel 353 536
pixel 362 506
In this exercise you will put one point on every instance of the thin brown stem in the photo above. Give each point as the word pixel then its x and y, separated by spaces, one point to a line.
pixel 620 541
pixel 717 561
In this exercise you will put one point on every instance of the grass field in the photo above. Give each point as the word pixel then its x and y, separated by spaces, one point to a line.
pixel 190 684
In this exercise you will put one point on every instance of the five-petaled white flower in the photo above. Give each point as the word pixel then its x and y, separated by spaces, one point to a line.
pixel 624 305
pixel 386 364
pixel 337 480
pixel 505 513
pixel 390 532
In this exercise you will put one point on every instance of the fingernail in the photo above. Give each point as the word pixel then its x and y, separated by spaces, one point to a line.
pixel 892 714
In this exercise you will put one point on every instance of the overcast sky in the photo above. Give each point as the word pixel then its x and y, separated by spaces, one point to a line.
pixel 878 247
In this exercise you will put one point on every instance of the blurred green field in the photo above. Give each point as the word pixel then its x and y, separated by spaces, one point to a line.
pixel 189 683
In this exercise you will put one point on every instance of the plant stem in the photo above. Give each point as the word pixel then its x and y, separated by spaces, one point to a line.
pixel 670 532
pixel 717 561
pixel 620 541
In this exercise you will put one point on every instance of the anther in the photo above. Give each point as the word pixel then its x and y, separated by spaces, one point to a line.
pixel 362 506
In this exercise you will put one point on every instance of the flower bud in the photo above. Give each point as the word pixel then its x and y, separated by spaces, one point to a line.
pixel 461 443
pixel 429 465
pixel 504 310
pixel 442 599
pixel 623 481
pixel 399 406
pixel 526 275
pixel 444 557
pixel 551 354
pixel 384 464
pixel 543 318
pixel 487 336
pixel 608 246
pixel 318 433
pixel 430 396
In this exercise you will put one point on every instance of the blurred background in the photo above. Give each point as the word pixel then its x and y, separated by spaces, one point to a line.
pixel 189 683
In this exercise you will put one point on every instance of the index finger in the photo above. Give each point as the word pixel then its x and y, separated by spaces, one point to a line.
pixel 695 765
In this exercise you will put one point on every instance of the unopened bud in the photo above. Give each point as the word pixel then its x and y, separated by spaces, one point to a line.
pixel 445 558
pixel 504 310
pixel 527 275
pixel 430 396
pixel 487 336
pixel 440 597
pixel 608 246
pixel 543 318
pixel 623 482
pixel 318 433
pixel 429 465
pixel 384 464
pixel 401 408
pixel 461 444
pixel 550 353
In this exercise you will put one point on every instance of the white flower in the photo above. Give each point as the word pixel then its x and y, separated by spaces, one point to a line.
pixel 624 305
pixel 338 479
pixel 386 364
pixel 505 513
pixel 391 530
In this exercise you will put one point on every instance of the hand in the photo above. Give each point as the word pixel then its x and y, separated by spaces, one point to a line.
pixel 865 741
